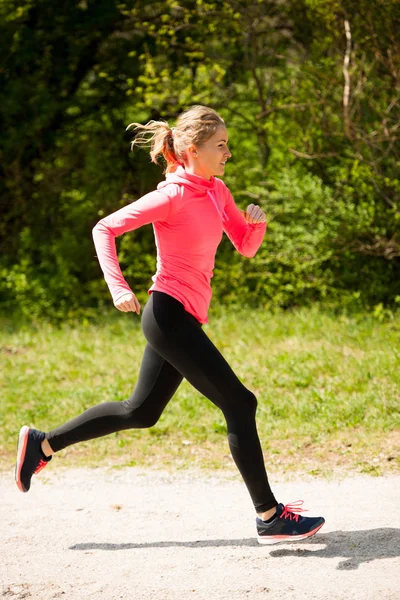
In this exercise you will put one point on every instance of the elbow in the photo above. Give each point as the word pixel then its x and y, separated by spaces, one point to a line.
pixel 248 253
pixel 96 227
pixel 99 227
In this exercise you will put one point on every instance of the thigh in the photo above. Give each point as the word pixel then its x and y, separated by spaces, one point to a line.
pixel 179 338
pixel 157 382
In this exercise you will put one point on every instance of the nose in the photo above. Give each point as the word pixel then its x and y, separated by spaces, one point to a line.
pixel 228 153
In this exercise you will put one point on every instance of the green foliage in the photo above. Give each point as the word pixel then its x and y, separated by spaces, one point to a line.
pixel 294 263
pixel 324 165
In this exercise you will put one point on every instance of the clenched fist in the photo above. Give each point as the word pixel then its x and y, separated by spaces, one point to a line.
pixel 254 214
pixel 128 303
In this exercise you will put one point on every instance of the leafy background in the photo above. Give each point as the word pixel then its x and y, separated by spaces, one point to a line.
pixel 310 91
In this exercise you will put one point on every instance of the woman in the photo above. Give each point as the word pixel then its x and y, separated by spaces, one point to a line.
pixel 189 212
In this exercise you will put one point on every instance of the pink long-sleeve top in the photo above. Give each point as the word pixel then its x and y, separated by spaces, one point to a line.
pixel 189 214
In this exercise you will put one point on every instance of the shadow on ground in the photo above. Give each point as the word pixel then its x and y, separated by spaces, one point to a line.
pixel 354 547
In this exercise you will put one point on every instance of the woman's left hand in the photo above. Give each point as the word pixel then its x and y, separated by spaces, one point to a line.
pixel 254 214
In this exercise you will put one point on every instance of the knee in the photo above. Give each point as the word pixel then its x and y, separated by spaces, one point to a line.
pixel 139 418
pixel 245 407
pixel 250 404
pixel 145 421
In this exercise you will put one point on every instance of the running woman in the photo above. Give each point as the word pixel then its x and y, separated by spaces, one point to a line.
pixel 189 211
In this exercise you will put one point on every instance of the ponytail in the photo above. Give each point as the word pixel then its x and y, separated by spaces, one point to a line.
pixel 160 137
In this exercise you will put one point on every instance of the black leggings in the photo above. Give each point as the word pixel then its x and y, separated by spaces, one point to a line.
pixel 178 347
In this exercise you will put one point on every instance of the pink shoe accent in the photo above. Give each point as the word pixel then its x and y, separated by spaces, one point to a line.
pixel 42 464
pixel 290 511
pixel 287 538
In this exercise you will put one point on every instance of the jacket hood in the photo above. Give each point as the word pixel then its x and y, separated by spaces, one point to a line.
pixel 196 184
pixel 192 182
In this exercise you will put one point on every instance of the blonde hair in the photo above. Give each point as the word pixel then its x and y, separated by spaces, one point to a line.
pixel 195 126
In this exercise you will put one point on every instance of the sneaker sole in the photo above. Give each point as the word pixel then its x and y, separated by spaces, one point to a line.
pixel 276 539
pixel 21 451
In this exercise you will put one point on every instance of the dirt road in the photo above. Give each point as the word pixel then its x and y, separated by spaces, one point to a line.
pixel 106 534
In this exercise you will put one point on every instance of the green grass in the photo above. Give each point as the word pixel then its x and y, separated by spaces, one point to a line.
pixel 328 388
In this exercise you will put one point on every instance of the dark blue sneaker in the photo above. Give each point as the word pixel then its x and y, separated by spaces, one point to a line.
pixel 288 526
pixel 30 457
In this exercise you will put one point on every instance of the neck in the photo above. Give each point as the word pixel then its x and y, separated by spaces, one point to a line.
pixel 191 169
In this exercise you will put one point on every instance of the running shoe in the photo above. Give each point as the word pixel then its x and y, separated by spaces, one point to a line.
pixel 30 457
pixel 288 525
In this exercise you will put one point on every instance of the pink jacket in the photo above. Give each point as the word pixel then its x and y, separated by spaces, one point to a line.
pixel 189 215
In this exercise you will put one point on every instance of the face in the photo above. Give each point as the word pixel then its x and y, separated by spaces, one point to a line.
pixel 210 158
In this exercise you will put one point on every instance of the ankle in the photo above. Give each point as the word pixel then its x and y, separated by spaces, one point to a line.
pixel 46 448
pixel 268 514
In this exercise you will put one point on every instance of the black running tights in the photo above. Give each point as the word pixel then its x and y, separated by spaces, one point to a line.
pixel 177 347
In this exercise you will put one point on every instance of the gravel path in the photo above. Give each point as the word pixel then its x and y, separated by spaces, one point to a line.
pixel 106 534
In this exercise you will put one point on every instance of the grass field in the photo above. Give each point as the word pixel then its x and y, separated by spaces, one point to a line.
pixel 328 388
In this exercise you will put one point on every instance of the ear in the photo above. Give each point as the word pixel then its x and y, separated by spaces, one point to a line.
pixel 192 151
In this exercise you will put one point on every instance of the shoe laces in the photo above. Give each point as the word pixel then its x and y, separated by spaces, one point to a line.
pixel 41 465
pixel 291 510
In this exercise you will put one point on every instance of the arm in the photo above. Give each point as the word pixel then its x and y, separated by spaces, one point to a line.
pixel 245 232
pixel 150 208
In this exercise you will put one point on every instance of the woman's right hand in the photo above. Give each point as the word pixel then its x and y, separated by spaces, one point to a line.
pixel 128 303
